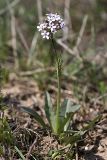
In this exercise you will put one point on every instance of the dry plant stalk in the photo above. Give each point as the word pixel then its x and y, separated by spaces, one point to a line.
pixel 14 41
pixel 35 38
pixel 22 38
pixel 39 8
pixel 80 36
pixel 32 48
pixel 13 34
pixel 67 31
pixel 75 51
pixel 11 5
pixel 39 70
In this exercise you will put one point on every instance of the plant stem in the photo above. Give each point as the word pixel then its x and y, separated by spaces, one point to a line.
pixel 58 96
pixel 58 63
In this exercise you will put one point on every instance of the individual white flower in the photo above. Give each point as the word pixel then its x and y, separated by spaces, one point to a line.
pixel 45 34
pixel 53 17
pixel 41 26
pixel 50 17
pixel 62 24
pixel 51 25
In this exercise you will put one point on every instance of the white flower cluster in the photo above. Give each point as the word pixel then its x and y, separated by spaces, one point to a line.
pixel 51 25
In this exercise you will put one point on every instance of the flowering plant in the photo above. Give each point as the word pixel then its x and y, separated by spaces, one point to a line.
pixel 59 120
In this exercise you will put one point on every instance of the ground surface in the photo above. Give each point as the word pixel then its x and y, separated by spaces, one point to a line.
pixel 25 92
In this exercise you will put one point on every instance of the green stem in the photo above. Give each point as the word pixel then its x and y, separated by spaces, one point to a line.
pixel 58 62
pixel 58 97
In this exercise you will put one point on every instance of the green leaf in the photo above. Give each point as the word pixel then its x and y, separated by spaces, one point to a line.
pixel 92 123
pixel 68 107
pixel 50 114
pixel 55 155
pixel 72 108
pixel 48 107
pixel 63 108
pixel 72 139
pixel 34 157
pixel 63 119
pixel 20 153
pixel 1 150
pixel 36 116
pixel 70 111
pixel 66 113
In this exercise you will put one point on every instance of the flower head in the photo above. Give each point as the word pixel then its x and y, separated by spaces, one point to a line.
pixel 51 25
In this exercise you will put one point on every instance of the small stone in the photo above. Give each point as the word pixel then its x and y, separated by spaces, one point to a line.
pixel 101 148
pixel 86 148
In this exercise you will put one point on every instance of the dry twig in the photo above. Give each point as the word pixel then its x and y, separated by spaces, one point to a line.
pixel 14 42
pixel 80 36
pixel 39 70
pixel 22 38
pixel 30 149
pixel 60 42
pixel 35 38
pixel 75 51
pixel 95 100
pixel 11 5
pixel 68 27
pixel 13 33
pixel 32 48
pixel 39 7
